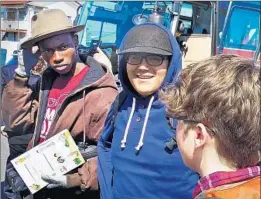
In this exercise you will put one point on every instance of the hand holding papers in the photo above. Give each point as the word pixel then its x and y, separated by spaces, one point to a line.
pixel 54 157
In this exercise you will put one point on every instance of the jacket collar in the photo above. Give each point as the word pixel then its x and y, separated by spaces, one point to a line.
pixel 95 73
pixel 221 178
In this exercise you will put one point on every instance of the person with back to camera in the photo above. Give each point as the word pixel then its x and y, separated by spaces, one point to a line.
pixel 219 136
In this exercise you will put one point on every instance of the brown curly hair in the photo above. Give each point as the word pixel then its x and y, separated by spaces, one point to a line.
pixel 223 90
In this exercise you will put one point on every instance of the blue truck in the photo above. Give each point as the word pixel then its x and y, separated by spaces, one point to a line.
pixel 217 26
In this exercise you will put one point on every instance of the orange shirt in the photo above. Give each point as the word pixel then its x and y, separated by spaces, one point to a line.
pixel 249 189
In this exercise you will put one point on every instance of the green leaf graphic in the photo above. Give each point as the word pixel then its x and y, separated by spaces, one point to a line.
pixel 77 161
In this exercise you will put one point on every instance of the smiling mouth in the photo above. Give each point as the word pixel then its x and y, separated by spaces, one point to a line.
pixel 145 76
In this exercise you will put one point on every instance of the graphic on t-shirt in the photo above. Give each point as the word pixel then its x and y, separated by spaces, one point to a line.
pixel 52 106
pixel 61 88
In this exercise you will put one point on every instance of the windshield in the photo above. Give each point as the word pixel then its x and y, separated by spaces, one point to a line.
pixel 243 32
pixel 110 21
pixel 186 17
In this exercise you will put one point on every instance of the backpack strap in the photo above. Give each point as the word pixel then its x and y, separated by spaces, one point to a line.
pixel 120 99
pixel 172 144
pixel 118 102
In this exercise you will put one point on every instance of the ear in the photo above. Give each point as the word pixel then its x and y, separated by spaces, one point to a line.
pixel 201 136
pixel 75 40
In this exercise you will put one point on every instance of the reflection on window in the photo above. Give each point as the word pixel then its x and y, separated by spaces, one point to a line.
pixel 92 31
pixel 106 32
pixel 186 10
pixel 186 17
pixel 243 32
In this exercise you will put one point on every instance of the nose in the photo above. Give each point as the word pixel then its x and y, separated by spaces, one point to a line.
pixel 143 65
pixel 57 58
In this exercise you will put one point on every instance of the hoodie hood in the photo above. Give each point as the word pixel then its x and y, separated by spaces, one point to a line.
pixel 174 68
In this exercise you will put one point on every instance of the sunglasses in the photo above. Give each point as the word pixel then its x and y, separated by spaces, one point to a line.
pixel 172 144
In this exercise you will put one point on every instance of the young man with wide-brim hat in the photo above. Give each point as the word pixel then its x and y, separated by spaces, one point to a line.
pixel 72 95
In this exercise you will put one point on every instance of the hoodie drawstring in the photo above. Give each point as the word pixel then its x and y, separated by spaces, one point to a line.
pixel 140 144
pixel 124 140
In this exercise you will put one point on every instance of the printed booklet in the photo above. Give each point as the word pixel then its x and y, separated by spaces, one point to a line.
pixel 56 156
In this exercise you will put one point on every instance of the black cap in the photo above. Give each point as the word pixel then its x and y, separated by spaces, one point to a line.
pixel 147 38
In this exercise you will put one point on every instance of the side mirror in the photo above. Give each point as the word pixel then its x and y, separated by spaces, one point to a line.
pixel 139 19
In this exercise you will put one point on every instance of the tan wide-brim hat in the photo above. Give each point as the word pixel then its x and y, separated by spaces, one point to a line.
pixel 49 23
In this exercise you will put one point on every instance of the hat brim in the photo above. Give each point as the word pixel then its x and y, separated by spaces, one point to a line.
pixel 33 40
pixel 151 50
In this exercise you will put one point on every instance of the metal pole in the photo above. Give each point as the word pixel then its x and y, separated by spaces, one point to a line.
pixel 17 15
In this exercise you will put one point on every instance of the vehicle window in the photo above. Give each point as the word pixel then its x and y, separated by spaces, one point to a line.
pixel 222 13
pixel 110 21
pixel 196 18
pixel 243 33
pixel 202 19
pixel 186 17
pixel 99 30
pixel 186 10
